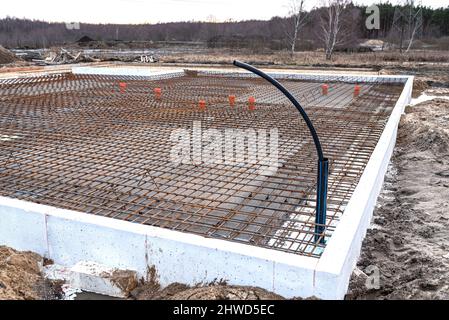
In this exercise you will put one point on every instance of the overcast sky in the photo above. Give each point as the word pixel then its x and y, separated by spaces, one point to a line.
pixel 153 11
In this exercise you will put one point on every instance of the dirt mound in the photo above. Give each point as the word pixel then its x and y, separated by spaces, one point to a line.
pixel 178 291
pixel 426 127
pixel 222 292
pixel 7 56
pixel 20 275
pixel 408 242
pixel 419 86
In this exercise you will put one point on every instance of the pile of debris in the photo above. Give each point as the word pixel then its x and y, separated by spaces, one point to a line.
pixel 7 56
pixel 374 45
pixel 148 59
pixel 63 57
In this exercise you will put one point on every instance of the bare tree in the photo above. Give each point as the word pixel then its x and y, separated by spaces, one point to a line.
pixel 415 21
pixel 331 24
pixel 296 22
pixel 407 23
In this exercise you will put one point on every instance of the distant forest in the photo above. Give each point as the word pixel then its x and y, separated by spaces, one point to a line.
pixel 24 33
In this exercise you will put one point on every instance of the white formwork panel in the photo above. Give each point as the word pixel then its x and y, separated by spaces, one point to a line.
pixel 130 72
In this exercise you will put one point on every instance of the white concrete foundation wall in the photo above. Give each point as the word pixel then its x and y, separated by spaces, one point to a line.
pixel 68 237
pixel 351 78
pixel 155 74
pixel 129 72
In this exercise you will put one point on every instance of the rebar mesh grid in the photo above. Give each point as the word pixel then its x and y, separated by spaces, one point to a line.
pixel 79 142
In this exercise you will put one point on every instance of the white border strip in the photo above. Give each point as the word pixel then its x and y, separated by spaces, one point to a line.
pixel 351 78
pixel 130 72
pixel 147 72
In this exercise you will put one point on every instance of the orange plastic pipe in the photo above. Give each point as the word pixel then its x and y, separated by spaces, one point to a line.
pixel 202 104
pixel 357 90
pixel 252 103
pixel 231 100
pixel 325 89
pixel 157 93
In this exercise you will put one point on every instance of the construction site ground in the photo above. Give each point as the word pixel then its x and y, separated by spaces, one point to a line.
pixel 407 242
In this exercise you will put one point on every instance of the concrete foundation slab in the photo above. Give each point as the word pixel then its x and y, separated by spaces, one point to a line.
pixel 178 255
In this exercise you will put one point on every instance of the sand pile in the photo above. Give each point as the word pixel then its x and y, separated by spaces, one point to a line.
pixel 178 291
pixel 21 277
pixel 20 274
pixel 7 56
pixel 426 127
pixel 419 86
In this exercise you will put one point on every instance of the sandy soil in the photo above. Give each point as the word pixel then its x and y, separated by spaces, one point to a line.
pixel 7 56
pixel 178 291
pixel 408 240
pixel 21 277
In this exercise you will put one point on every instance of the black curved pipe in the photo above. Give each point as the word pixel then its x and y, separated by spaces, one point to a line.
pixel 291 98
pixel 323 163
